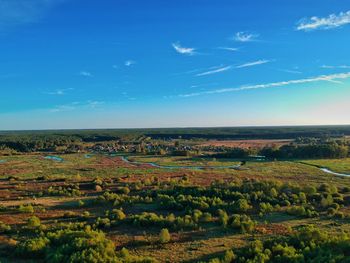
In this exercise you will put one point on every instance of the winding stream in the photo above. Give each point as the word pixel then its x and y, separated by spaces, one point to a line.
pixel 196 167
pixel 54 158
pixel 125 159
pixel 326 170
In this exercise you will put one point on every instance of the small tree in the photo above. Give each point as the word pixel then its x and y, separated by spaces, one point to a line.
pixel 164 236
pixel 4 227
pixel 33 222
pixel 26 208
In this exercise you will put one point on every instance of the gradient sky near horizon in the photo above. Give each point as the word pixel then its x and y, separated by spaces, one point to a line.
pixel 162 63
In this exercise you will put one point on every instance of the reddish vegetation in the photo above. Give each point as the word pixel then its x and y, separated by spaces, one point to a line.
pixel 275 229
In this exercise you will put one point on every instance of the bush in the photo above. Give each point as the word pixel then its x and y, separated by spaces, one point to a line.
pixel 4 228
pixel 26 208
pixel 241 205
pixel 33 248
pixel 242 222
pixel 206 217
pixel 302 211
pixel 164 236
pixel 103 222
pixel 223 217
pixel 86 246
pixel 307 245
pixel 33 222
pixel 98 188
pixel 118 214
pixel 124 190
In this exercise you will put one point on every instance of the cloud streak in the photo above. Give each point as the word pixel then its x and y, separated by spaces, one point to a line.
pixel 233 49
pixel 253 63
pixel 17 12
pixel 210 72
pixel 183 50
pixel 59 92
pixel 85 74
pixel 335 67
pixel 129 63
pixel 329 78
pixel 332 21
pixel 92 104
pixel 245 37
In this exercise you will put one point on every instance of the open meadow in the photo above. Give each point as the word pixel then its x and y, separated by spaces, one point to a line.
pixel 206 207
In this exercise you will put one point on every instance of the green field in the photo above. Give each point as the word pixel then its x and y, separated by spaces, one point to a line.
pixel 48 185
pixel 336 165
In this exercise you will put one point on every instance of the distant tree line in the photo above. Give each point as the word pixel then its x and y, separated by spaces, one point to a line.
pixel 49 142
pixel 331 149
pixel 328 150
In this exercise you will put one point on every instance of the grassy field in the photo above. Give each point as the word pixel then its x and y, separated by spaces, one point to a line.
pixel 26 179
pixel 336 165
pixel 184 161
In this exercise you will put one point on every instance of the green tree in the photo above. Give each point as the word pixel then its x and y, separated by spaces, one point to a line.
pixel 33 222
pixel 164 236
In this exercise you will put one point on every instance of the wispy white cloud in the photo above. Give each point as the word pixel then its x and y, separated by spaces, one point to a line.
pixel 92 104
pixel 233 49
pixel 85 74
pixel 253 63
pixel 129 63
pixel 127 96
pixel 329 78
pixel 331 21
pixel 214 71
pixel 335 67
pixel 245 37
pixel 61 108
pixel 183 50
pixel 16 12
pixel 293 71
pixel 58 92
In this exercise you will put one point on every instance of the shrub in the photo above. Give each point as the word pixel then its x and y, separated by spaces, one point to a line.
pixel 302 211
pixel 33 222
pixel 33 248
pixel 26 208
pixel 242 222
pixel 206 217
pixel 98 188
pixel 228 257
pixel 118 214
pixel 86 214
pixel 66 245
pixel 124 190
pixel 4 227
pixel 241 205
pixel 103 222
pixel 307 245
pixel 164 236
pixel 223 217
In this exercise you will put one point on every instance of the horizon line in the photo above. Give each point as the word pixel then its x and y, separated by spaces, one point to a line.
pixel 180 127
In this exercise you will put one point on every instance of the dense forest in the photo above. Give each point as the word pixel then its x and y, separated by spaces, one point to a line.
pixel 330 149
pixel 330 142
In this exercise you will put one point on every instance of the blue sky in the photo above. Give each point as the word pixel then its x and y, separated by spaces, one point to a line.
pixel 156 63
